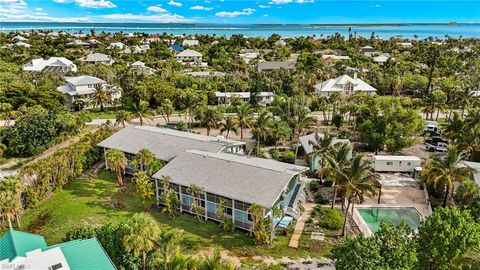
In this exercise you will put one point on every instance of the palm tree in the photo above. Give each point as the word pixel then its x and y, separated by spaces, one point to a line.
pixel 355 180
pixel 279 130
pixel 100 97
pixel 322 149
pixel 189 100
pixel 339 158
pixel 196 191
pixel 144 158
pixel 229 125
pixel 209 117
pixel 142 111
pixel 261 128
pixel 442 171
pixel 145 188
pixel 123 117
pixel 244 117
pixel 168 244
pixel 117 161
pixel 7 112
pixel 215 262
pixel 467 193
pixel 301 122
pixel 166 110
pixel 10 199
pixel 140 230
pixel 226 222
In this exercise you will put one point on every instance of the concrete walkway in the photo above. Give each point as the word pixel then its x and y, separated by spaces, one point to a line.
pixel 297 232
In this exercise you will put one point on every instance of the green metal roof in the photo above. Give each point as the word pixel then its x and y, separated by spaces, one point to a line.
pixel 16 243
pixel 85 255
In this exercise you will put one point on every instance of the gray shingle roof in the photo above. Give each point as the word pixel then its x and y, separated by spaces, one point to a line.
pixel 304 140
pixel 275 65
pixel 163 142
pixel 243 178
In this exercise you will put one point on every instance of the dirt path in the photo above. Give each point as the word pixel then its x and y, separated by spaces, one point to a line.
pixel 10 167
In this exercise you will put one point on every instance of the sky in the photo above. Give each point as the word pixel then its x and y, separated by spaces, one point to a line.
pixel 240 11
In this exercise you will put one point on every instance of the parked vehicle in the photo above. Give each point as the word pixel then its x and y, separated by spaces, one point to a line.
pixel 437 147
pixel 432 129
pixel 435 140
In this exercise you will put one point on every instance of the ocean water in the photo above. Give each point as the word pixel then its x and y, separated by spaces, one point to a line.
pixel 289 30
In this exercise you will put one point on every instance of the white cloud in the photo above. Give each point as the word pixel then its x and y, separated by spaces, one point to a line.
pixel 95 3
pixel 157 8
pixel 304 1
pixel 200 8
pixel 245 11
pixel 12 7
pixel 162 18
pixel 280 2
pixel 38 9
pixel 263 6
pixel 377 5
pixel 89 3
pixel 173 3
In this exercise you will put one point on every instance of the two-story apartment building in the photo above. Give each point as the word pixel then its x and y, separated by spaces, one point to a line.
pixel 238 180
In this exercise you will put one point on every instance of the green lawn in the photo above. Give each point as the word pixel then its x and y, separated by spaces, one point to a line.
pixel 97 201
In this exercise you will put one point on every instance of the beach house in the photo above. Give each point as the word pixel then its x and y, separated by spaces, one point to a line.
pixel 53 64
pixel 97 58
pixel 79 89
pixel 344 85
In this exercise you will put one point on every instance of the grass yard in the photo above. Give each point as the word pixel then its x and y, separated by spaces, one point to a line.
pixel 97 200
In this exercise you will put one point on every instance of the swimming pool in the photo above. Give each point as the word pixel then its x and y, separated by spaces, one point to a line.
pixel 374 215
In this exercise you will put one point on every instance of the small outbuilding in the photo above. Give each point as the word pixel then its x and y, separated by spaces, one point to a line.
pixel 405 164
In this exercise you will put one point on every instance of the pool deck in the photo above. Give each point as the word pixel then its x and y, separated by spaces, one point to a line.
pixel 393 197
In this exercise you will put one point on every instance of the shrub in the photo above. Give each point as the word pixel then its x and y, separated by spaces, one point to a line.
pixel 320 199
pixel 330 218
pixel 289 157
pixel 274 153
pixel 314 186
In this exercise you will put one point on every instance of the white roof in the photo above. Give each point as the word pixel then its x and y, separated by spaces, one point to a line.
pixel 206 74
pixel 399 158
pixel 19 38
pixel 84 80
pixel 189 53
pixel 39 64
pixel 22 44
pixel 337 85
pixel 190 42
pixel 381 58
pixel 335 57
pixel 96 57
pixel 243 94
pixel 138 64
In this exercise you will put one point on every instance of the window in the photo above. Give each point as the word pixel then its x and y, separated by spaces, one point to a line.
pixel 389 163
pixel 56 266
pixel 409 164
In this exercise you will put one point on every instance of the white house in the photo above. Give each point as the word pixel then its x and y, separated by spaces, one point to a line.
pixel 189 56
pixel 334 58
pixel 78 42
pixel 82 87
pixel 97 58
pixel 21 44
pixel 380 59
pixel 405 44
pixel 405 164
pixel 138 65
pixel 281 43
pixel 249 56
pixel 116 45
pixel 344 85
pixel 19 38
pixel 60 64
pixel 190 42
pixel 475 167
pixel 265 98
